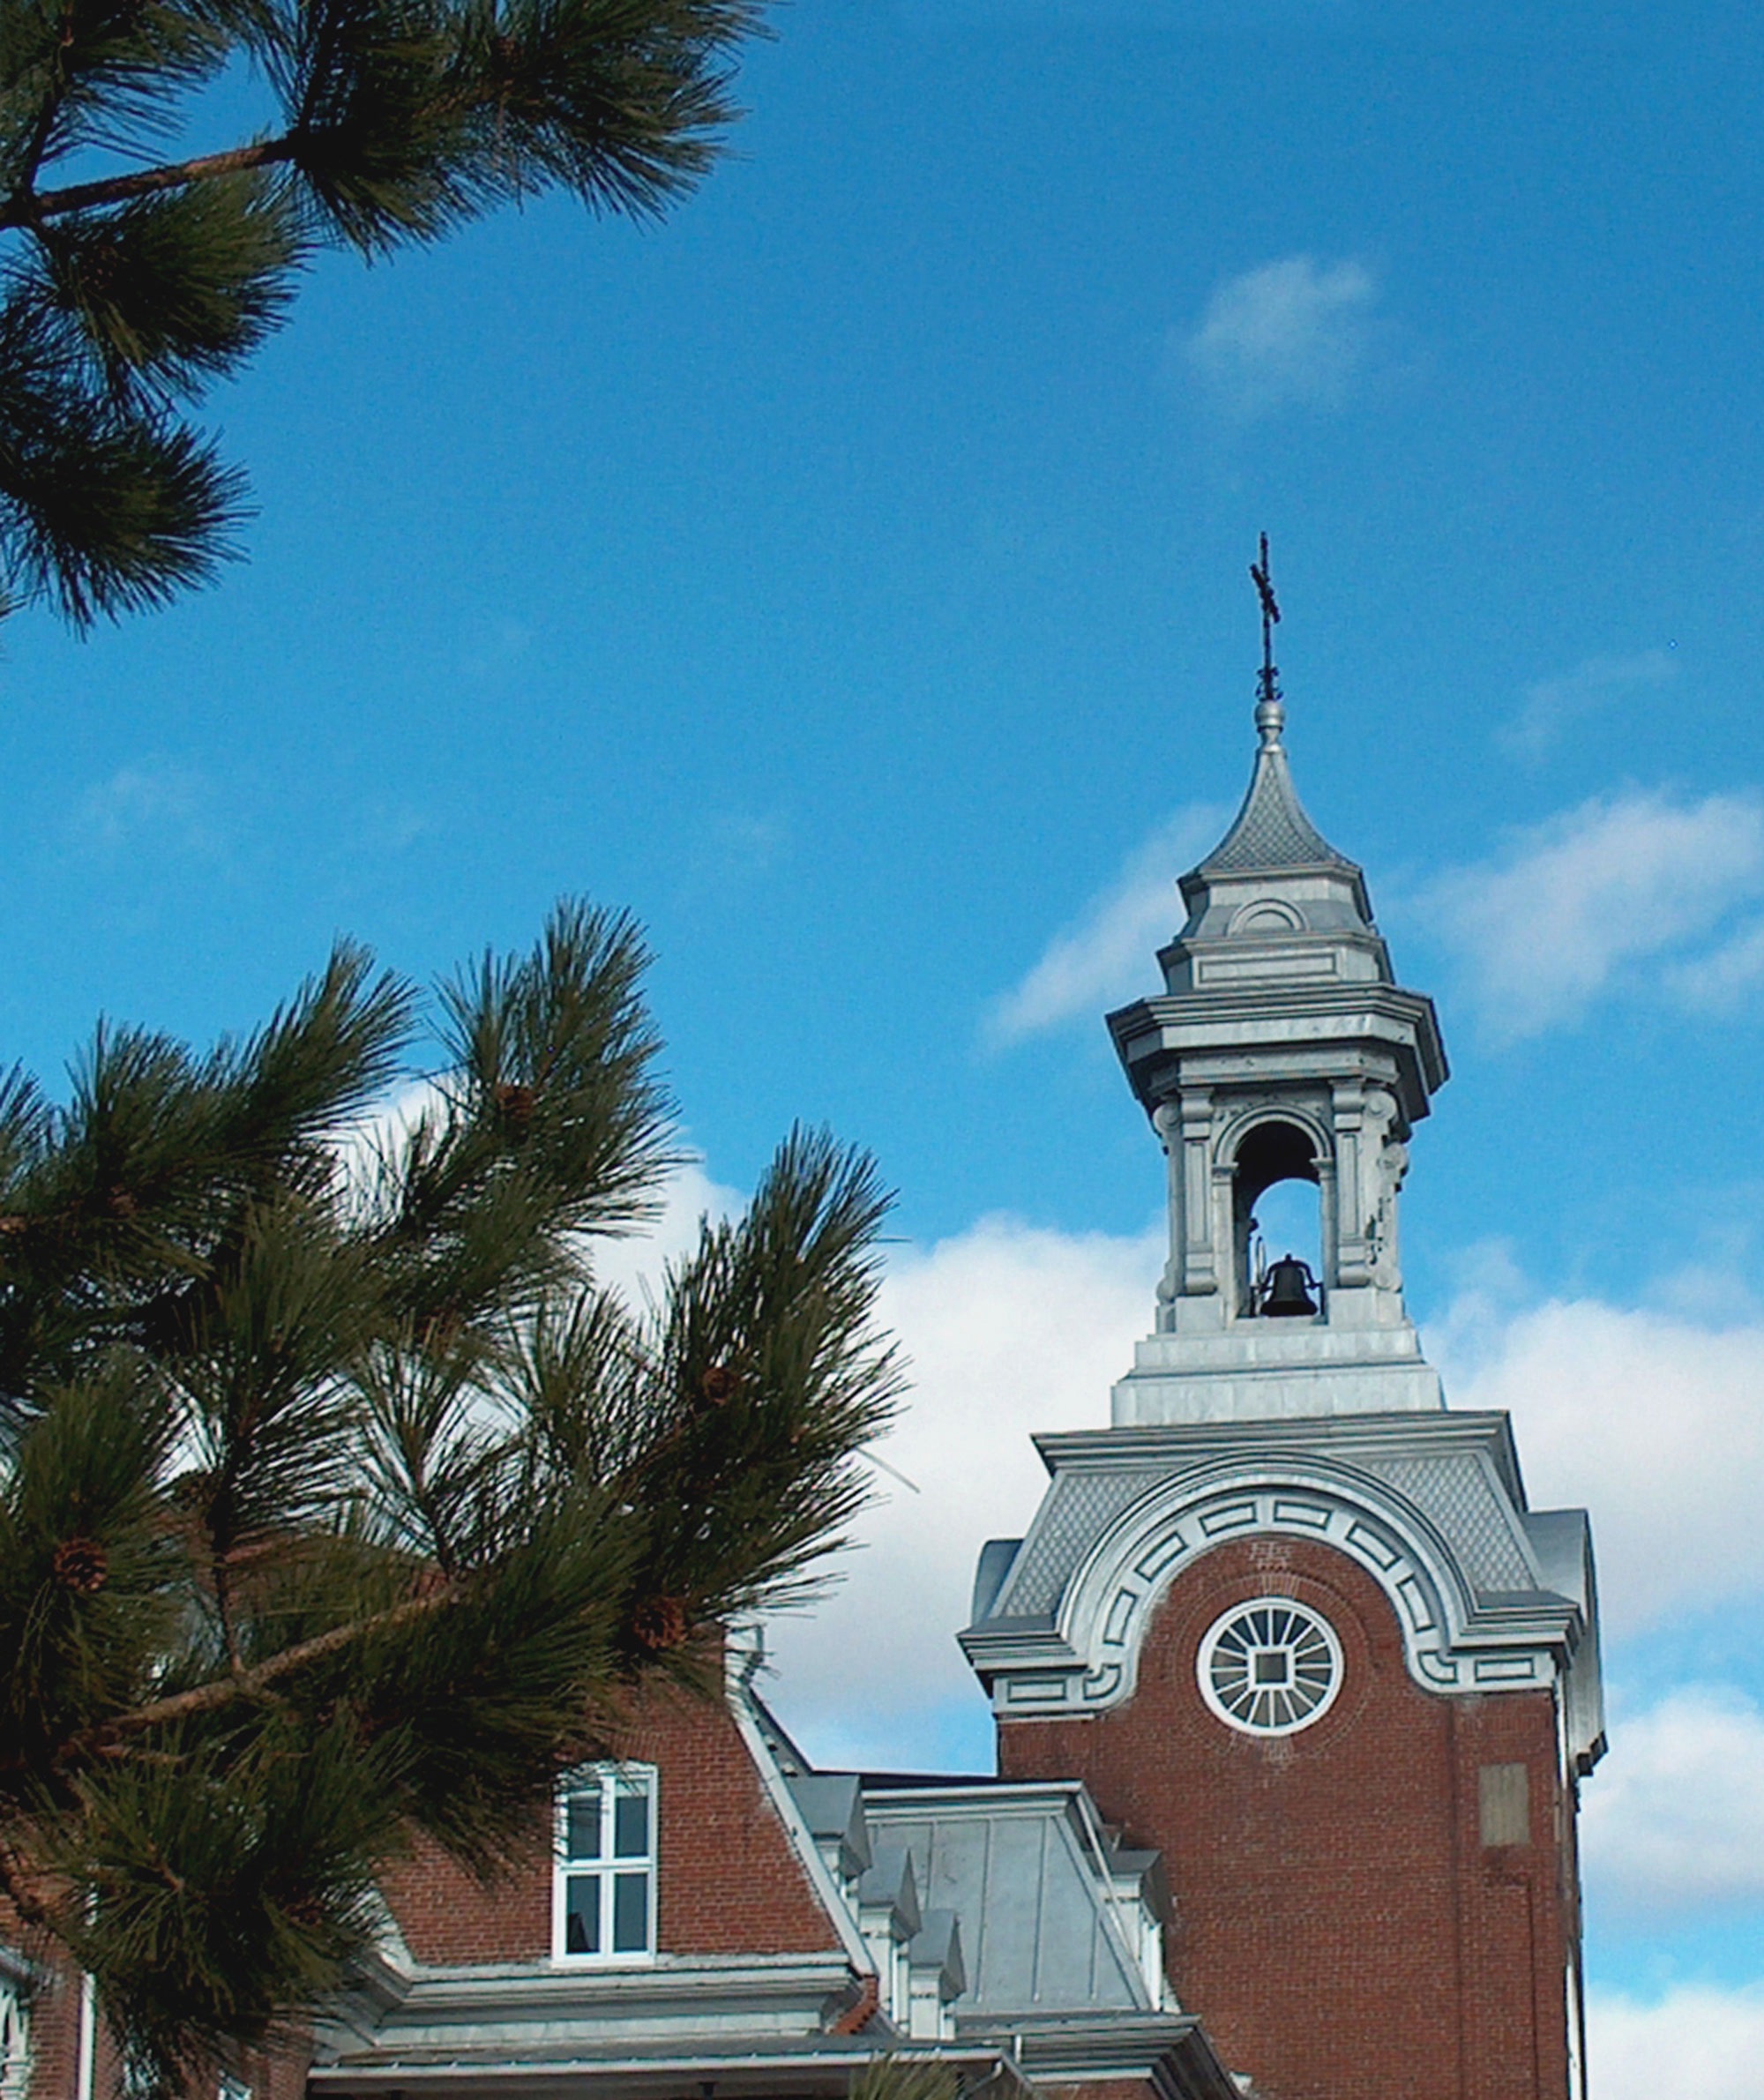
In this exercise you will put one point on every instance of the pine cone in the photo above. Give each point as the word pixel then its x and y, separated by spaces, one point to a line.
pixel 661 1623
pixel 719 1385
pixel 515 1105
pixel 82 1565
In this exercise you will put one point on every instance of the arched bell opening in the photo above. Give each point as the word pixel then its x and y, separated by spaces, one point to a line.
pixel 1277 1215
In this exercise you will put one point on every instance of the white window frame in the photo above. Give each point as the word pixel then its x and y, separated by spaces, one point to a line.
pixel 608 1779
pixel 15 2061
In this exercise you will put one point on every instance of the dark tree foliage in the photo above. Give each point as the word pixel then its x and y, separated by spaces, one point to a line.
pixel 338 1503
pixel 126 293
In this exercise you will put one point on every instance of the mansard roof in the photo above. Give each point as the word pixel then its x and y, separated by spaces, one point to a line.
pixel 1031 1872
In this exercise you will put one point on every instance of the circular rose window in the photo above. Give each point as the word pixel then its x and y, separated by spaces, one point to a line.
pixel 1269 1667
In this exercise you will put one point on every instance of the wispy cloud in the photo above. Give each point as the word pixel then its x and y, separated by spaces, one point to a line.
pixel 1577 903
pixel 1107 954
pixel 1553 705
pixel 1291 334
pixel 156 798
pixel 1719 982
pixel 495 646
pixel 724 855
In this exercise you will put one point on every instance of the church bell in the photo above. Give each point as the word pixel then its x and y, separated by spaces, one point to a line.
pixel 1287 1293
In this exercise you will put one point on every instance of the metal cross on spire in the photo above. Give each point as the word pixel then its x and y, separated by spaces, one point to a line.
pixel 1270 711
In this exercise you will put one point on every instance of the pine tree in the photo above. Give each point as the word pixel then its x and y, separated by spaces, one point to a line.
pixel 340 1504
pixel 129 291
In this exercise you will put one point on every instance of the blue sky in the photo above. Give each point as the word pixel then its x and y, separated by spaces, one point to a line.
pixel 848 576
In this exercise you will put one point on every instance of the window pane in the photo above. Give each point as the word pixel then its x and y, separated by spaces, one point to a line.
pixel 631 1914
pixel 582 1915
pixel 631 1823
pixel 582 1824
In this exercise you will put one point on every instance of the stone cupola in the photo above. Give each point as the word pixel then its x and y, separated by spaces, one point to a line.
pixel 1282 1048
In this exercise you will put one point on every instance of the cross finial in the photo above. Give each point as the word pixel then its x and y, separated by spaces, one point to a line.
pixel 1270 713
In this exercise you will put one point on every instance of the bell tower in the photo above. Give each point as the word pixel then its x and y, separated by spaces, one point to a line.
pixel 1282 1048
pixel 1291 1616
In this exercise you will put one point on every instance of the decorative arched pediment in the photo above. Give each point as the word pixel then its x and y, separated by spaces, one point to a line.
pixel 1109 1603
pixel 1267 915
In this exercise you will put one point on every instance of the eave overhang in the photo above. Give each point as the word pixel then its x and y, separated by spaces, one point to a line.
pixel 1155 1037
pixel 815 2069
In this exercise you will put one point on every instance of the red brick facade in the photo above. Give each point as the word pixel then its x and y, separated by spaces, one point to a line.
pixel 1341 1926
pixel 56 2012
pixel 730 1881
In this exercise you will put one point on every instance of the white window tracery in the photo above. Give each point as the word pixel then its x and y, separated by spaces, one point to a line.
pixel 1269 1667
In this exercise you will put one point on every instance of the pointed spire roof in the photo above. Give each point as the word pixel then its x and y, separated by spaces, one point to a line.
pixel 1274 891
pixel 1272 830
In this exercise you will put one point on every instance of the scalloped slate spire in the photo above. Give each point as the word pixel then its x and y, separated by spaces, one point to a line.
pixel 1272 830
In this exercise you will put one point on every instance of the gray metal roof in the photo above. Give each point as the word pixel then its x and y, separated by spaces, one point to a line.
pixel 1272 830
pixel 831 1805
pixel 1028 1872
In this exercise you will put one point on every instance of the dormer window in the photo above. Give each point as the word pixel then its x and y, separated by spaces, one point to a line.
pixel 604 1902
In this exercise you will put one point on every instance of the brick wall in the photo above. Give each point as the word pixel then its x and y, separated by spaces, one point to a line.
pixel 55 2024
pixel 1342 1928
pixel 55 2048
pixel 730 1881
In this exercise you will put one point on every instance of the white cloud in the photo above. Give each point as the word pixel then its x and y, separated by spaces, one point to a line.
pixel 1719 981
pixel 1651 1417
pixel 1009 1330
pixel 1698 2042
pixel 634 1265
pixel 1577 901
pixel 1552 704
pixel 1293 333
pixel 1653 1420
pixel 157 796
pixel 495 646
pixel 1674 1818
pixel 732 851
pixel 1108 954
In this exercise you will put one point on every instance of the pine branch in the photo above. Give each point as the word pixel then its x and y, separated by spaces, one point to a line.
pixel 336 1515
pixel 220 1692
pixel 398 121
pixel 34 206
